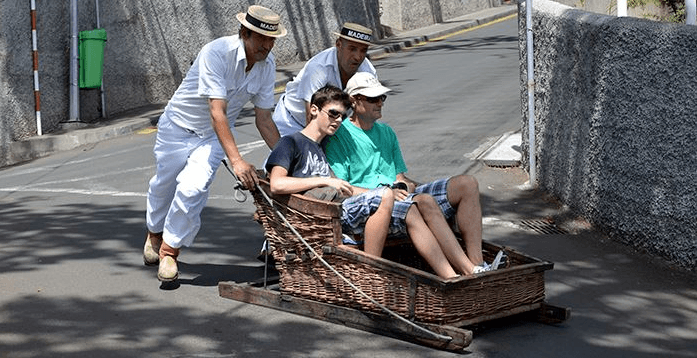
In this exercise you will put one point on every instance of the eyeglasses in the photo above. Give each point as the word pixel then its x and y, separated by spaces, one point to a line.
pixel 334 114
pixel 377 99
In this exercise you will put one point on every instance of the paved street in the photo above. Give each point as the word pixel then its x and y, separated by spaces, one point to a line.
pixel 72 282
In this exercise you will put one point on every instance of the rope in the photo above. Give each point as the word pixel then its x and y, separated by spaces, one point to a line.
pixel 238 189
pixel 325 263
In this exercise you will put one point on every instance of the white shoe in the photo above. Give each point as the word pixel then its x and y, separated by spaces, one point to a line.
pixel 483 267
pixel 499 260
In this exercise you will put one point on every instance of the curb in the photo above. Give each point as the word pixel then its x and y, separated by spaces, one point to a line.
pixel 436 31
pixel 37 147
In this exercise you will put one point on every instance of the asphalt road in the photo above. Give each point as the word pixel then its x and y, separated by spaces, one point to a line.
pixel 72 282
pixel 450 97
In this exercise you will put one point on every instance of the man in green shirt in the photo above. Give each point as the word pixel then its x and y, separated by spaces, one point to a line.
pixel 366 153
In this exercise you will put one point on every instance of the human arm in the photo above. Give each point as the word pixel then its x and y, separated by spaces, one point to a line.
pixel 281 183
pixel 266 126
pixel 219 121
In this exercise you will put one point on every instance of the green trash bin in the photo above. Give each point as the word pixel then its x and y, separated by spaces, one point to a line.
pixel 91 55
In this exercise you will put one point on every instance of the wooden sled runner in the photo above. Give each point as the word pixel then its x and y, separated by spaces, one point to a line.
pixel 400 281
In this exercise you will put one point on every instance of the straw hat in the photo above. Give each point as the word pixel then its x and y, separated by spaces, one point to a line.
pixel 356 32
pixel 366 84
pixel 262 20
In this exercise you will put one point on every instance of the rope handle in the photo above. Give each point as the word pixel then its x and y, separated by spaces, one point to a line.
pixel 326 264
pixel 239 195
pixel 239 189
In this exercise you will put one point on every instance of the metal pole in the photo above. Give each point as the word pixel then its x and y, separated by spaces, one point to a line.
pixel 101 88
pixel 690 9
pixel 531 95
pixel 621 7
pixel 74 87
pixel 35 57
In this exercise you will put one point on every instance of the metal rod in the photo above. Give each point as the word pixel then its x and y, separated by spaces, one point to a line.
pixel 621 8
pixel 531 95
pixel 35 57
pixel 74 86
pixel 690 12
pixel 101 88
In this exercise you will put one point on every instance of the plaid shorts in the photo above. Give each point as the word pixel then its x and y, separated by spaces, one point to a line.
pixel 356 210
pixel 398 224
pixel 437 189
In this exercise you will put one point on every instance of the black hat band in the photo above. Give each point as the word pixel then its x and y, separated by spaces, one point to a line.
pixel 356 34
pixel 260 24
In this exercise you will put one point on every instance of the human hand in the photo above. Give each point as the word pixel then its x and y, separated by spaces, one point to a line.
pixel 246 173
pixel 399 194
pixel 341 185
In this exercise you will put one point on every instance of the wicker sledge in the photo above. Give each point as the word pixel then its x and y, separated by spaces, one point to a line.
pixel 400 280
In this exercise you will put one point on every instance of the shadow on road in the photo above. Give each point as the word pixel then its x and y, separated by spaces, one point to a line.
pixel 623 304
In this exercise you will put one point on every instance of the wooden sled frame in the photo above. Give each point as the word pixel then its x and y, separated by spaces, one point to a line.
pixel 306 288
pixel 254 293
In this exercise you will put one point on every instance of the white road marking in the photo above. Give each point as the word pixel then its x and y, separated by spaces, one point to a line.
pixel 244 149
pixel 113 193
pixel 89 177
pixel 52 167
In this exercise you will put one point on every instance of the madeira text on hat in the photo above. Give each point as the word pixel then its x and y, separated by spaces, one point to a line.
pixel 356 32
pixel 366 84
pixel 262 20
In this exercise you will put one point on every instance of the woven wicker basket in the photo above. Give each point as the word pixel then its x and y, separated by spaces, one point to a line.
pixel 401 280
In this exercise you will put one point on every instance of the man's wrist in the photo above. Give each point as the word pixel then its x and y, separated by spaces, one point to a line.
pixel 236 160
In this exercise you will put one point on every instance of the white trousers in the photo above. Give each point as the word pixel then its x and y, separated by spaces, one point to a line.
pixel 186 166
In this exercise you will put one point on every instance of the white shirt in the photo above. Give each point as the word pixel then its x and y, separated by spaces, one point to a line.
pixel 219 72
pixel 321 69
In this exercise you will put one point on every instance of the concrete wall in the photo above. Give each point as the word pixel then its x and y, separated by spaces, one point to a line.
pixel 616 118
pixel 409 14
pixel 609 7
pixel 150 46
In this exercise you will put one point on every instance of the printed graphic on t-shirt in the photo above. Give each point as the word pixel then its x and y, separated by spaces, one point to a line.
pixel 315 166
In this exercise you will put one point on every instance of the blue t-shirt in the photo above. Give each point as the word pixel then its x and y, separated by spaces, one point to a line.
pixel 365 158
pixel 300 155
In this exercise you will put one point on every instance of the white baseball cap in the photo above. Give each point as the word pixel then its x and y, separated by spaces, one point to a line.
pixel 366 84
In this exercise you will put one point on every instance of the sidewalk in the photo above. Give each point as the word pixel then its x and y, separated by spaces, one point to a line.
pixel 137 119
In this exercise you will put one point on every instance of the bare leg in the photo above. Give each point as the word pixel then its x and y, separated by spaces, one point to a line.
pixel 427 245
pixel 433 216
pixel 463 195
pixel 377 225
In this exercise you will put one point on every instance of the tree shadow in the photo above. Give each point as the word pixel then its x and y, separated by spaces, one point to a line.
pixel 132 324
pixel 619 297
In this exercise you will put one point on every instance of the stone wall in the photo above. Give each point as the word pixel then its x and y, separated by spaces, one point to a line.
pixel 151 44
pixel 616 118
pixel 402 15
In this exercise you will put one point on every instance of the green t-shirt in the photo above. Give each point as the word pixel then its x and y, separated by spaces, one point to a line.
pixel 365 158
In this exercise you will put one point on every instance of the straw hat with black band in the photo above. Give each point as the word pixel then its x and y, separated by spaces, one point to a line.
pixel 262 20
pixel 356 32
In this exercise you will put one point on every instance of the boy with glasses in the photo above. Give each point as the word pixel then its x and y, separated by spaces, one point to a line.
pixel 366 153
pixel 297 164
